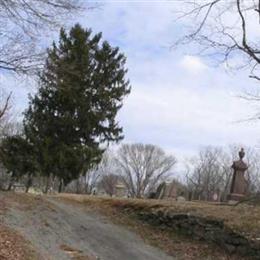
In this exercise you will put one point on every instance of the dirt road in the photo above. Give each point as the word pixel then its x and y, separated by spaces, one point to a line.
pixel 59 230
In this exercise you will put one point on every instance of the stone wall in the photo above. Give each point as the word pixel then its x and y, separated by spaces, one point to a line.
pixel 206 229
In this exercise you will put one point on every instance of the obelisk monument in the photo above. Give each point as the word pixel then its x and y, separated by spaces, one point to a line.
pixel 239 184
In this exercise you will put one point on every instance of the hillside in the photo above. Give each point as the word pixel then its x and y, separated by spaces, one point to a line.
pixel 68 226
pixel 233 228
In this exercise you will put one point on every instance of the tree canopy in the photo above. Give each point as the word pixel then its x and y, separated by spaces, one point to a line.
pixel 72 117
pixel 18 157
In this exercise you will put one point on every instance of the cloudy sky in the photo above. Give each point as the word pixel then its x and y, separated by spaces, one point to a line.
pixel 178 101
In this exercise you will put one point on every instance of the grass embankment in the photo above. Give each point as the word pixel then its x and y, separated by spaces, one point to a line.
pixel 12 245
pixel 244 219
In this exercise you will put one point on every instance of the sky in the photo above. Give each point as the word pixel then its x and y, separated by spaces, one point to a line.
pixel 178 100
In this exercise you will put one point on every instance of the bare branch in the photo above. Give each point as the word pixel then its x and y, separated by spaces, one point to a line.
pixel 220 29
pixel 22 24
pixel 6 106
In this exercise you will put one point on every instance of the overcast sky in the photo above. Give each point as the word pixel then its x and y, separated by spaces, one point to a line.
pixel 178 101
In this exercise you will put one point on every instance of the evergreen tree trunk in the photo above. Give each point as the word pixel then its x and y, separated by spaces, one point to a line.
pixel 60 186
pixel 29 183
pixel 10 185
pixel 11 182
pixel 47 185
pixel 78 186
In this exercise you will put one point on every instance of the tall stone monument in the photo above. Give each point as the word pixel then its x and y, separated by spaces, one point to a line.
pixel 239 184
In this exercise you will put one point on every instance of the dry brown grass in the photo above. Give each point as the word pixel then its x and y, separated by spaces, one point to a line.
pixel 243 218
pixel 122 211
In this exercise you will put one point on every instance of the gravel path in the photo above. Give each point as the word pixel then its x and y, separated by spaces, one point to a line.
pixel 59 230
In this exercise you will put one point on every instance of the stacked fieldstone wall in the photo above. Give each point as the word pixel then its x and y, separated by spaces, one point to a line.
pixel 207 229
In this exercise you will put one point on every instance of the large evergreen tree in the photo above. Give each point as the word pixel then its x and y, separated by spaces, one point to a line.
pixel 73 114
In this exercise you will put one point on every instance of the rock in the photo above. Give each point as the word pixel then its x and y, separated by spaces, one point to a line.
pixel 237 240
pixel 230 248
pixel 243 250
pixel 173 216
pixel 203 228
pixel 181 199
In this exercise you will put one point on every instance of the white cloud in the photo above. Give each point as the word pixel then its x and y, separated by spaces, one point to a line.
pixel 193 64
pixel 183 118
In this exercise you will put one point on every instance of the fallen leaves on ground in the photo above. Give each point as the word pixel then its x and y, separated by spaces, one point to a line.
pixel 13 246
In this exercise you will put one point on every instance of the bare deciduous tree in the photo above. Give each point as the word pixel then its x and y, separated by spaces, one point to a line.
pixel 142 167
pixel 91 179
pixel 22 24
pixel 210 171
pixel 254 173
pixel 108 183
pixel 100 173
pixel 225 30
